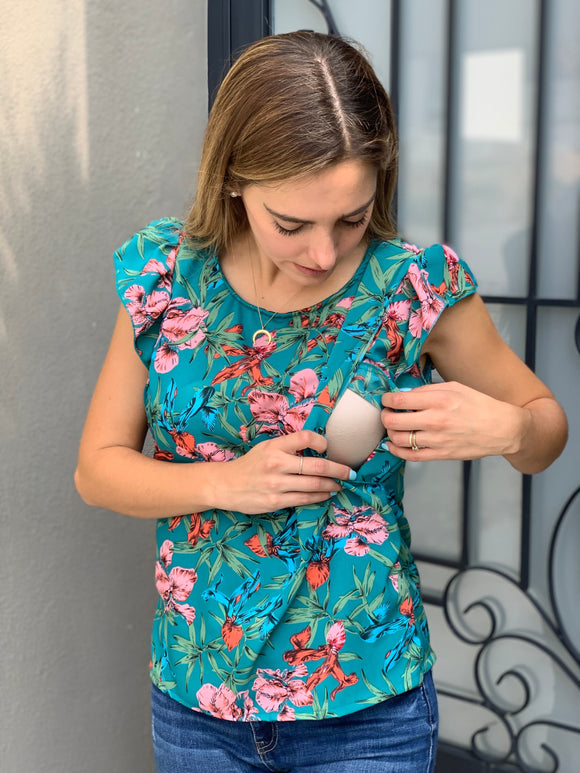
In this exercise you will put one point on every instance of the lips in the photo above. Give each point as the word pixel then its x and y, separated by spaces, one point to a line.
pixel 310 271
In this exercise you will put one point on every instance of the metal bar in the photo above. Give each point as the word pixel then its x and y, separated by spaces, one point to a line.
pixel 218 45
pixel 231 26
pixel 448 563
pixel 250 21
pixel 539 143
pixel 514 300
pixel 395 55
pixel 532 308
pixel 466 532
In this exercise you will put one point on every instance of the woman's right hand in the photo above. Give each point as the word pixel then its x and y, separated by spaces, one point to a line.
pixel 272 476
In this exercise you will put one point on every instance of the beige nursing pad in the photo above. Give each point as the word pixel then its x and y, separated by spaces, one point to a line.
pixel 353 430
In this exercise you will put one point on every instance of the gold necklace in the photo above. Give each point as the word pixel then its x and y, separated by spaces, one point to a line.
pixel 262 330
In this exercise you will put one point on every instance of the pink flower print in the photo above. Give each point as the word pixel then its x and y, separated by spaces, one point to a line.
pixel 431 306
pixel 286 714
pixel 336 636
pixel 453 267
pixel 270 693
pixel 164 272
pixel 219 701
pixel 303 384
pixel 180 329
pixel 166 358
pixel 416 324
pixel 268 407
pixel 175 586
pixel 179 323
pixel 210 452
pixel 411 248
pixel 399 311
pixel 144 309
pixel 274 413
pixel 249 708
pixel 275 688
pixel 362 526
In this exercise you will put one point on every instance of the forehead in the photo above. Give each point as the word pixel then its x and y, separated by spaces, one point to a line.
pixel 341 188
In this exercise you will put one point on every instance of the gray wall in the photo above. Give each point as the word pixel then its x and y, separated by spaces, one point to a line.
pixel 102 109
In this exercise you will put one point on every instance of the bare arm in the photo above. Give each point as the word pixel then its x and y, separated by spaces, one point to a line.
pixel 492 403
pixel 112 472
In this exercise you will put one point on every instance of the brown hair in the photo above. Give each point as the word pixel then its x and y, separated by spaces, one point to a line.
pixel 290 106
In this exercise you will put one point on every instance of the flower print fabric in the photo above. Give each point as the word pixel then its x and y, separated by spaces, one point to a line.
pixel 306 612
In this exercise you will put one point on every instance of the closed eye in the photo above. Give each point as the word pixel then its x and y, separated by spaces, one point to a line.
pixel 287 231
pixel 348 223
pixel 356 223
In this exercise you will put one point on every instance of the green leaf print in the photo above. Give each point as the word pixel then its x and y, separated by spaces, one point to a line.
pixel 141 245
pixel 380 694
pixel 374 553
pixel 335 384
pixel 190 292
pixel 378 274
pixel 343 601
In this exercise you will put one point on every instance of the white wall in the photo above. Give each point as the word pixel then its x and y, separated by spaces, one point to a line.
pixel 102 109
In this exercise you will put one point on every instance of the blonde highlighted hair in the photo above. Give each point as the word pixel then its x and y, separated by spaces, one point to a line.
pixel 290 106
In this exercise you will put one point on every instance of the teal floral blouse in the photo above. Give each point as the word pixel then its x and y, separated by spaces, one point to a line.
pixel 307 612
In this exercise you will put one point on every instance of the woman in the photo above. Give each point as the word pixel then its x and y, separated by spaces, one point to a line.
pixel 284 338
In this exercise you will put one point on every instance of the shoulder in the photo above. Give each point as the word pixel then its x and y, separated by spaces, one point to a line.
pixel 160 237
pixel 434 270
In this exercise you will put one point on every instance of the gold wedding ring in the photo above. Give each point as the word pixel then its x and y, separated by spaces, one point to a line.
pixel 413 440
pixel 301 463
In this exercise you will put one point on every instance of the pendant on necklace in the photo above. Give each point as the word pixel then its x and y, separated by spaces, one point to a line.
pixel 261 332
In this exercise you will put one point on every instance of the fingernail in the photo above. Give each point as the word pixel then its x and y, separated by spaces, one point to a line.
pixel 352 475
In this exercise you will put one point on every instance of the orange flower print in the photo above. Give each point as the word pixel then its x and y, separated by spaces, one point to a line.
pixel 335 639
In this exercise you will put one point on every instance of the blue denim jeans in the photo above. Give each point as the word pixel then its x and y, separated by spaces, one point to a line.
pixel 396 736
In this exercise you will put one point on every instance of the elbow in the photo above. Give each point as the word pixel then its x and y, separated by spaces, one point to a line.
pixel 544 447
pixel 83 488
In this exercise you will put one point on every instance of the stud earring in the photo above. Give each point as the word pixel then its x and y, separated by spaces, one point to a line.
pixel 234 195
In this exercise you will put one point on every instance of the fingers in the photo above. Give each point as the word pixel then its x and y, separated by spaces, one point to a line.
pixel 315 467
pixel 419 398
pixel 309 466
pixel 298 441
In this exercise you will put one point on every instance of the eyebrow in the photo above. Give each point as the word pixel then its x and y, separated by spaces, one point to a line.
pixel 289 219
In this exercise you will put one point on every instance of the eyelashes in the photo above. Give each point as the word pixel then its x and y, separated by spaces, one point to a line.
pixel 348 223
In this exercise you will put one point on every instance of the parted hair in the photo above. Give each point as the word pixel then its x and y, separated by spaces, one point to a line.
pixel 291 106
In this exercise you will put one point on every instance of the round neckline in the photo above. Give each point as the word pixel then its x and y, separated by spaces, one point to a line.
pixel 340 292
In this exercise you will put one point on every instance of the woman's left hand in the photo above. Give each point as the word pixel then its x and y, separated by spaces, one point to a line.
pixel 451 421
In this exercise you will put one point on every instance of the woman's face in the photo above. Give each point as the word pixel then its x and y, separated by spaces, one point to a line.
pixel 309 227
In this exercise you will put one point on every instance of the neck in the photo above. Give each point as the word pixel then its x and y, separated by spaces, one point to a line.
pixel 262 284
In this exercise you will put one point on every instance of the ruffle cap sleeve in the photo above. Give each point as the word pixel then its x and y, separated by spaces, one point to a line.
pixel 144 268
pixel 436 279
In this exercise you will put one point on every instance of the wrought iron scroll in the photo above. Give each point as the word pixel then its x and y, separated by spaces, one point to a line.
pixel 324 9
pixel 515 726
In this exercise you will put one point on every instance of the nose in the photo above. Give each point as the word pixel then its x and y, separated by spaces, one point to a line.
pixel 323 251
